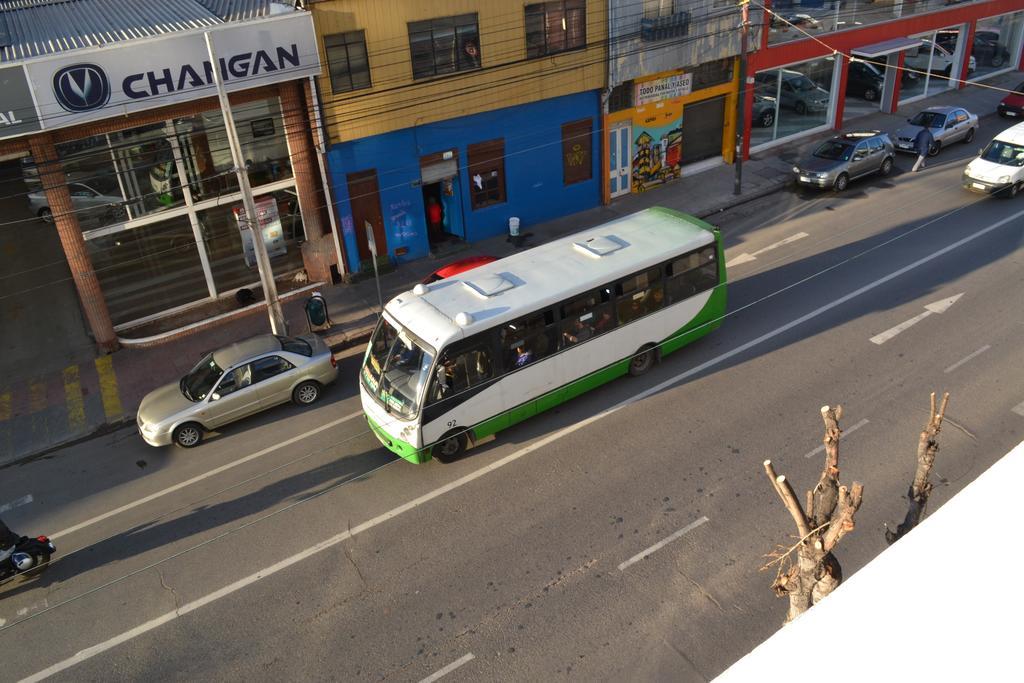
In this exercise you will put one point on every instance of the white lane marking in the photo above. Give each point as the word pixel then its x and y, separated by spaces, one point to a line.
pixel 940 306
pixel 90 652
pixel 747 258
pixel 661 544
pixel 846 432
pixel 24 500
pixel 200 477
pixel 970 357
pixel 1019 409
pixel 448 669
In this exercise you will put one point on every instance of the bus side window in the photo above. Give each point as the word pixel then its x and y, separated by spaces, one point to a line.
pixel 460 370
pixel 584 317
pixel 639 295
pixel 694 273
pixel 528 339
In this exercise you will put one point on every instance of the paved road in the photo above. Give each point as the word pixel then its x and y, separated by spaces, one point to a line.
pixel 293 546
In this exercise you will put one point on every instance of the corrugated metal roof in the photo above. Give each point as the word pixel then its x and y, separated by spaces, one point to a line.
pixel 30 28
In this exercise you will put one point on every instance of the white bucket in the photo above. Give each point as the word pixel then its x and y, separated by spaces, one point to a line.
pixel 513 226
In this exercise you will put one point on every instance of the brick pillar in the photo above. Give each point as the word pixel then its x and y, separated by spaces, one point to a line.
pixel 51 175
pixel 315 256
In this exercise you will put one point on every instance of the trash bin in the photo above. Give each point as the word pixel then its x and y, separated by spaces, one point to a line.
pixel 513 226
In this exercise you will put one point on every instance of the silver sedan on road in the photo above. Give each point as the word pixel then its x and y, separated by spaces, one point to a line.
pixel 947 124
pixel 234 382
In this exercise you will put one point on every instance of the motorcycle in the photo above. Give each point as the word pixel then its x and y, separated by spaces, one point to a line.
pixel 29 554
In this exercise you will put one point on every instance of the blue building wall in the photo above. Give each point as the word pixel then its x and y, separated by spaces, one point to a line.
pixel 534 187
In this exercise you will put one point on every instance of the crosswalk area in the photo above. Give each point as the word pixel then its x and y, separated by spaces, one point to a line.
pixel 41 412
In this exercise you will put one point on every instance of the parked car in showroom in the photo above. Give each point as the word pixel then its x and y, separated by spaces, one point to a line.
pixel 835 162
pixel 864 80
pixel 234 382
pixel 999 168
pixel 1012 106
pixel 763 112
pixel 797 92
pixel 90 204
pixel 947 125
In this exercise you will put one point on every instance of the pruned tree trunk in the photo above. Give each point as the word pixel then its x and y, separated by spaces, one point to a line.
pixel 828 517
pixel 921 487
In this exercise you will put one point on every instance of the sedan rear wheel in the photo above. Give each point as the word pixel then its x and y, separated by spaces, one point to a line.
pixel 886 168
pixel 306 393
pixel 870 94
pixel 46 214
pixel 969 138
pixel 188 435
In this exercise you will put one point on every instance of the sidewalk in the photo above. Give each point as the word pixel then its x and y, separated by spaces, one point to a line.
pixel 65 404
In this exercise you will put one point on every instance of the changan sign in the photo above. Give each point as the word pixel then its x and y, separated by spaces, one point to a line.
pixel 88 85
pixel 659 89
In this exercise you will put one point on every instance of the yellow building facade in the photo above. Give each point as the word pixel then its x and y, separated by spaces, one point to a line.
pixel 506 76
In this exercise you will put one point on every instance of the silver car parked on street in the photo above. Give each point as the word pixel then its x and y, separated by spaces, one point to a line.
pixel 839 160
pixel 234 382
pixel 947 125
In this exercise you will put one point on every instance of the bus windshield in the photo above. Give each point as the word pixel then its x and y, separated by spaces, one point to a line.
pixel 396 368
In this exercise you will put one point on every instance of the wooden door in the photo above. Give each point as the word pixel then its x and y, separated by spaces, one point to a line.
pixel 365 200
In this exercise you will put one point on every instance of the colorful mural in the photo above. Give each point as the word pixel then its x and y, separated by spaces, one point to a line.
pixel 657 145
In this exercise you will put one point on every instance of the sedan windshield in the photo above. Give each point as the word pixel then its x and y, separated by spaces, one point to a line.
pixel 929 119
pixel 200 379
pixel 1004 153
pixel 835 151
pixel 396 368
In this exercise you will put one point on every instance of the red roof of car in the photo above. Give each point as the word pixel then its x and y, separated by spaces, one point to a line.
pixel 456 267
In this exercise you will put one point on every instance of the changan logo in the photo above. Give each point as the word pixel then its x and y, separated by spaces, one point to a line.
pixel 82 87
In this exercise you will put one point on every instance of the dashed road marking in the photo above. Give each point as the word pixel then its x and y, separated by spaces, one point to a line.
pixel 970 357
pixel 1019 409
pixel 108 388
pixel 661 544
pixel 846 432
pixel 468 657
pixel 24 500
pixel 73 397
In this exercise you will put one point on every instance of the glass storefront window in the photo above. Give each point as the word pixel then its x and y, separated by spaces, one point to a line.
pixel 224 243
pixel 800 19
pixel 92 182
pixel 995 47
pixel 148 269
pixel 791 100
pixel 148 172
pixel 207 157
pixel 129 183
pixel 930 67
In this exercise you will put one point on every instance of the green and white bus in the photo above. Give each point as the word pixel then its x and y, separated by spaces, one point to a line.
pixel 457 360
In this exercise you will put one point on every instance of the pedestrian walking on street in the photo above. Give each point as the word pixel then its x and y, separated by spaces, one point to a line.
pixel 922 145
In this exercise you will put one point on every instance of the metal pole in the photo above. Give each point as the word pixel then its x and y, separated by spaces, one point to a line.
pixel 371 243
pixel 277 322
pixel 741 99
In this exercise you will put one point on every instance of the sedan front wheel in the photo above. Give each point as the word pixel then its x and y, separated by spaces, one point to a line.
pixel 188 435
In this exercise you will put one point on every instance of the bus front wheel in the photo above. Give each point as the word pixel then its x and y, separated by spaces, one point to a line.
pixel 450 447
pixel 642 361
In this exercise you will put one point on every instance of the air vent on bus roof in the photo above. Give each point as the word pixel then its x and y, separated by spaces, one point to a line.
pixel 600 246
pixel 489 285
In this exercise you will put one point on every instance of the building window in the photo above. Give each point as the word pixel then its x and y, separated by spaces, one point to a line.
pixel 486 173
pixel 576 144
pixel 553 27
pixel 346 59
pixel 621 97
pixel 444 46
pixel 655 9
pixel 712 73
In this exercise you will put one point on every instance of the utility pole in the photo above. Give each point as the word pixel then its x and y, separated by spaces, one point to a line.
pixel 741 98
pixel 277 322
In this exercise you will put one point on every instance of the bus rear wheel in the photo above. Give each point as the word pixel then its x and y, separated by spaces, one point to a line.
pixel 642 361
pixel 449 448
